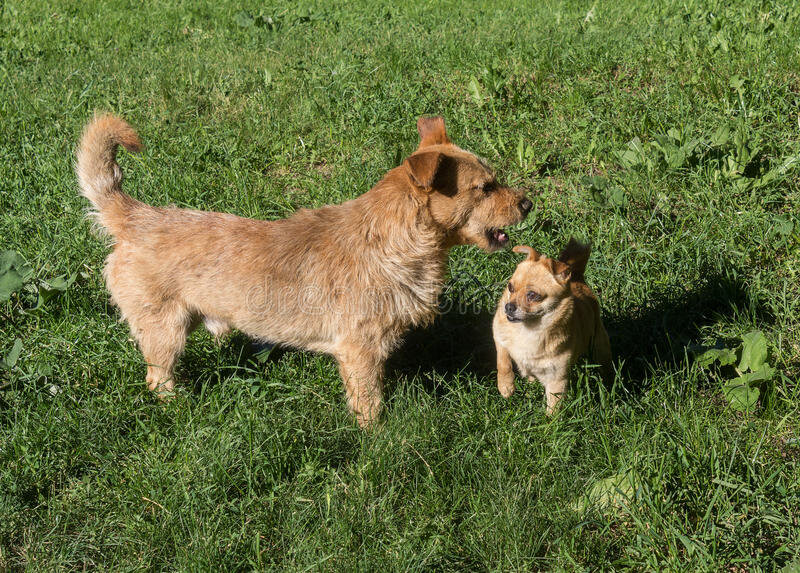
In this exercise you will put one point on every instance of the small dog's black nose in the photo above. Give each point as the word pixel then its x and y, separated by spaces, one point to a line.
pixel 525 205
pixel 510 308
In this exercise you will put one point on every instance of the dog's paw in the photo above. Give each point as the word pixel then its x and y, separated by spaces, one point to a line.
pixel 506 390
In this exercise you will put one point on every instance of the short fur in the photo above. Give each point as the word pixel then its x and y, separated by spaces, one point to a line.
pixel 347 280
pixel 546 319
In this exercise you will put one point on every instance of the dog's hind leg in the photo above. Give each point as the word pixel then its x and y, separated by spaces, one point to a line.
pixel 219 329
pixel 158 322
pixel 555 386
pixel 161 336
pixel 601 353
pixel 362 372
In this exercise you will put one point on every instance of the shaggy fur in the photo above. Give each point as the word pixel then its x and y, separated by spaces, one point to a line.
pixel 546 319
pixel 347 280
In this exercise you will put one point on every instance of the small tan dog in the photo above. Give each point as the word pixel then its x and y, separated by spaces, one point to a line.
pixel 346 280
pixel 546 319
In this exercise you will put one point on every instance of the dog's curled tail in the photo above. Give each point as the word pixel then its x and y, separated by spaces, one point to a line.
pixel 99 175
pixel 576 255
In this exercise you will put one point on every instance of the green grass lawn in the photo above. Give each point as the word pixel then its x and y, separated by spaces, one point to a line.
pixel 666 133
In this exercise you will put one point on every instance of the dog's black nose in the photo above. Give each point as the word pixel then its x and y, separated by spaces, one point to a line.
pixel 525 205
pixel 510 308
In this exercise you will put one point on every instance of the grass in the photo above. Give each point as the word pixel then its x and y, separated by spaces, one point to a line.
pixel 665 133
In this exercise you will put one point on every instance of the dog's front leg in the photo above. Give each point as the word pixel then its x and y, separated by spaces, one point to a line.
pixel 555 386
pixel 362 373
pixel 505 372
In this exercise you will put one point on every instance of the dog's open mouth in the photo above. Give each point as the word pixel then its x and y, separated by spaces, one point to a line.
pixel 512 318
pixel 498 238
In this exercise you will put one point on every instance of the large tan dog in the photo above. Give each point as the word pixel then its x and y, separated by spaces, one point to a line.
pixel 347 280
pixel 546 319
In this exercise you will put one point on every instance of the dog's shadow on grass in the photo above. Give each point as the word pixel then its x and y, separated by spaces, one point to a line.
pixel 237 357
pixel 652 337
pixel 644 339
pixel 456 343
pixel 661 334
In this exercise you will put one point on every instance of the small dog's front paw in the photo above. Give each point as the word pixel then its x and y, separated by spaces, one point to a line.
pixel 506 390
pixel 553 403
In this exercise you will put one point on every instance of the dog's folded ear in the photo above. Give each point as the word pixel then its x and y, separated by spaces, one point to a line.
pixel 423 168
pixel 561 271
pixel 432 131
pixel 576 255
pixel 533 254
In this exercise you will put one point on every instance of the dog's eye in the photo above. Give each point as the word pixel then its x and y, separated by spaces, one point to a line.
pixel 489 187
pixel 510 287
pixel 534 296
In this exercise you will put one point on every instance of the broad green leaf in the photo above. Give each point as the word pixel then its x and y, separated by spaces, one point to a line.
pixel 14 271
pixel 674 133
pixel 48 290
pixel 611 491
pixel 690 146
pixel 11 358
pixel 12 260
pixel 740 394
pixel 793 567
pixel 262 355
pixel 725 357
pixel 675 158
pixel 474 89
pixel 737 83
pixel 597 196
pixel 663 143
pixel 595 182
pixel 628 158
pixel 632 156
pixel 601 191
pixel 44 370
pixel 788 163
pixel 721 136
pixel 616 196
pixel 10 281
pixel 783 225
pixel 765 372
pixel 688 544
pixel 754 351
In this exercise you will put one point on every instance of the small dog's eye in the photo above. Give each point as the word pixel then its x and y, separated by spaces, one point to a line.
pixel 489 187
pixel 510 287
pixel 534 296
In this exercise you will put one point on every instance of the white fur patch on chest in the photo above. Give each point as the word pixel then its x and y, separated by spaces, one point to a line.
pixel 532 352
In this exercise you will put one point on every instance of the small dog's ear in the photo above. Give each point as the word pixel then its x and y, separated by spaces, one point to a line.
pixel 561 271
pixel 423 168
pixel 432 131
pixel 576 255
pixel 533 255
